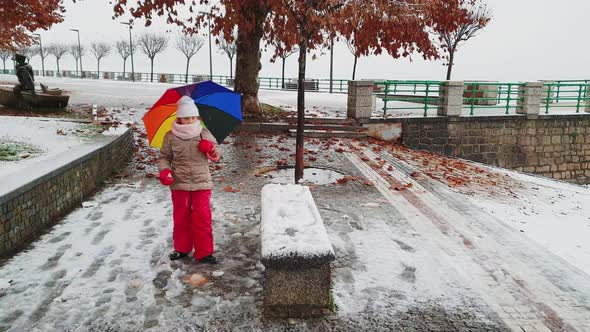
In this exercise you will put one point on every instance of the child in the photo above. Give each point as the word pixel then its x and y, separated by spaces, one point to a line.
pixel 184 167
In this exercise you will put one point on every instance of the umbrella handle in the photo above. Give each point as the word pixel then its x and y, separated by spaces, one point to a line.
pixel 213 158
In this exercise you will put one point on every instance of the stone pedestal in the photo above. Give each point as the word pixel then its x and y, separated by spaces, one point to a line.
pixel 451 98
pixel 531 99
pixel 360 100
pixel 302 292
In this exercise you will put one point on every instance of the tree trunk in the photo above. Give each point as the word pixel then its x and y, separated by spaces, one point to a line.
pixel 76 66
pixel 283 74
pixel 299 165
pixel 354 67
pixel 43 66
pixel 231 68
pixel 98 69
pixel 58 74
pixel 186 75
pixel 152 71
pixel 4 63
pixel 248 61
pixel 124 63
pixel 450 66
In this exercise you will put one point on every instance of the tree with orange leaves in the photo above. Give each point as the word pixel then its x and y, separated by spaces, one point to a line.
pixel 399 27
pixel 22 17
pixel 478 14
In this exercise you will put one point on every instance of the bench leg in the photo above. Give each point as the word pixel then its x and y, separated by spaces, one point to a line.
pixel 297 293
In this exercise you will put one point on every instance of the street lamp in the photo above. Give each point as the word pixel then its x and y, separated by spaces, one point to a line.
pixel 41 54
pixel 131 50
pixel 79 52
pixel 210 52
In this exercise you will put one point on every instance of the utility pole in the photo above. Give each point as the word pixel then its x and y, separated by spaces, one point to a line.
pixel 331 65
pixel 210 51
pixel 79 52
pixel 41 54
pixel 131 50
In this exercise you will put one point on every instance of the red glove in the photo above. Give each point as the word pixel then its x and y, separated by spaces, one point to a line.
pixel 166 177
pixel 206 146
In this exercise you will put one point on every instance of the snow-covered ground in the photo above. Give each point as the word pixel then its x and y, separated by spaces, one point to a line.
pixel 552 213
pixel 422 242
pixel 43 133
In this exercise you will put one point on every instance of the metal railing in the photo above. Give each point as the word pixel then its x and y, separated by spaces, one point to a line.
pixel 272 83
pixel 566 94
pixel 491 95
pixel 425 93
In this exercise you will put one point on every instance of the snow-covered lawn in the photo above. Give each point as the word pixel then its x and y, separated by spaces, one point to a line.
pixel 42 133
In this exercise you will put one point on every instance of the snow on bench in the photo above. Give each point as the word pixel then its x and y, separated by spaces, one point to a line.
pixel 296 252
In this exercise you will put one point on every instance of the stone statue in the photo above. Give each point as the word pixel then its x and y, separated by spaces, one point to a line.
pixel 26 79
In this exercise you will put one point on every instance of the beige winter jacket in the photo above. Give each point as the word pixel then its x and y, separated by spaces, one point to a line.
pixel 189 166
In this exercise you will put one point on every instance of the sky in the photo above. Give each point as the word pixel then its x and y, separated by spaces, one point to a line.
pixel 527 40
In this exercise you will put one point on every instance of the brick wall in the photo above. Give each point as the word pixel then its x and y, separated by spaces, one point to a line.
pixel 28 211
pixel 556 146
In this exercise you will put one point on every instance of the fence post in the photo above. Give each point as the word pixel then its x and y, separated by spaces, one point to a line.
pixel 529 99
pixel 587 100
pixel 451 98
pixel 360 100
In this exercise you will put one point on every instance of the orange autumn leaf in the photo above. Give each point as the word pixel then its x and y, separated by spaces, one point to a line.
pixel 229 189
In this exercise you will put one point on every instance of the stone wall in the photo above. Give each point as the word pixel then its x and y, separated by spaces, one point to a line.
pixel 28 211
pixel 556 146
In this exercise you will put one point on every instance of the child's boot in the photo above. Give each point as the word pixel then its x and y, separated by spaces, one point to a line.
pixel 177 255
pixel 208 260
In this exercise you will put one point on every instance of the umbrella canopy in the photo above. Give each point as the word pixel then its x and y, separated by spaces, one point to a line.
pixel 219 107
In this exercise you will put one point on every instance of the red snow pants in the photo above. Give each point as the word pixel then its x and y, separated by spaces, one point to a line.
pixel 192 222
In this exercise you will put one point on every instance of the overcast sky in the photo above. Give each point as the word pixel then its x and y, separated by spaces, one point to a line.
pixel 526 40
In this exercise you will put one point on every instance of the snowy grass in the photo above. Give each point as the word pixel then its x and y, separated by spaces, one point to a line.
pixel 11 150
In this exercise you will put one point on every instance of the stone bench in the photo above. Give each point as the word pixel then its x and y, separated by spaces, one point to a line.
pixel 296 253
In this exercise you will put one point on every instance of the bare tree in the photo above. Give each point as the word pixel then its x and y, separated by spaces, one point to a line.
pixel 229 48
pixel 43 53
pixel 29 52
pixel 77 54
pixel 5 55
pixel 152 44
pixel 100 50
pixel 58 50
pixel 122 47
pixel 278 45
pixel 189 46
pixel 480 15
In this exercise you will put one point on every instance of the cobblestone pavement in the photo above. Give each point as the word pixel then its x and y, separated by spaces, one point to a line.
pixel 412 255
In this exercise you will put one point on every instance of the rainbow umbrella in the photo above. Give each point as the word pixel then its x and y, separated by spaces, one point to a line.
pixel 220 110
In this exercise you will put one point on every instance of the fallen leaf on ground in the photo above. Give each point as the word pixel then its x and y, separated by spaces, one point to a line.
pixel 196 279
pixel 229 189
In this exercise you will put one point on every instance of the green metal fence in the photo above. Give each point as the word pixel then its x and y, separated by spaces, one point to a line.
pixel 568 94
pixel 401 95
pixel 491 95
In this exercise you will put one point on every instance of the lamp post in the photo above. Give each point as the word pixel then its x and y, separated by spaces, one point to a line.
pixel 41 54
pixel 79 52
pixel 210 51
pixel 131 50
